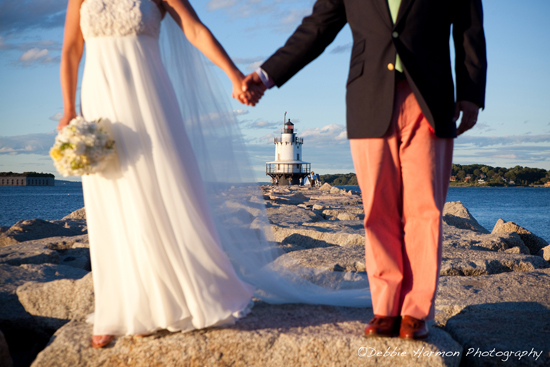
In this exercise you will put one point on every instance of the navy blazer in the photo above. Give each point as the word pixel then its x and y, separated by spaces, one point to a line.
pixel 421 37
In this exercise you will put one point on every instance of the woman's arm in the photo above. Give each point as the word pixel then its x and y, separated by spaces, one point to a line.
pixel 71 54
pixel 201 37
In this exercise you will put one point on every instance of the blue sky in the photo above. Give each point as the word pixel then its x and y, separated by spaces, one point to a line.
pixel 514 128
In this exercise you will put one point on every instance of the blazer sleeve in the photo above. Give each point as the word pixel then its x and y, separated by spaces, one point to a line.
pixel 309 40
pixel 470 51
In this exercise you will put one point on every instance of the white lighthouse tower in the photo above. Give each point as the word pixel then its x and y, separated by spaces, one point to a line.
pixel 288 164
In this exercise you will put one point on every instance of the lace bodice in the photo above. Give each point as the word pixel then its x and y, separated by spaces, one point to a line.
pixel 118 18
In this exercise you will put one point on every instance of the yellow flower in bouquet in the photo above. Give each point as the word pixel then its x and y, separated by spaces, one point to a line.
pixel 82 147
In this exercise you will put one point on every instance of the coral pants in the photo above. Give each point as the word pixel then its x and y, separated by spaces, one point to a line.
pixel 404 177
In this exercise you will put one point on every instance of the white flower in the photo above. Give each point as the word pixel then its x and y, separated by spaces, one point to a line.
pixel 82 147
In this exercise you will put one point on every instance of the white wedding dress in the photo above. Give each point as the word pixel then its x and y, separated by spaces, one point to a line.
pixel 156 256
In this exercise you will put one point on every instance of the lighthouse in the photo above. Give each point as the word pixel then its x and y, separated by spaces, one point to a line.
pixel 288 166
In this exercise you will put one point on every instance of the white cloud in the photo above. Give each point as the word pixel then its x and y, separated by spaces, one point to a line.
pixel 252 63
pixel 341 49
pixel 27 144
pixel 220 4
pixel 261 124
pixel 332 134
pixel 240 112
pixel 28 14
pixel 57 116
pixel 484 141
pixel 36 55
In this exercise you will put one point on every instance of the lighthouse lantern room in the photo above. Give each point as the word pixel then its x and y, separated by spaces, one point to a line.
pixel 288 165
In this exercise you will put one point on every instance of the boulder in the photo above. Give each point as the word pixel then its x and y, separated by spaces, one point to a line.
pixel 471 240
pixel 463 262
pixel 33 229
pixel 5 358
pixel 347 216
pixel 290 215
pixel 455 214
pixel 294 239
pixel 77 214
pixel 335 190
pixel 532 241
pixel 26 334
pixel 58 301
pixel 336 258
pixel 271 335
pixel 70 251
pixel 325 187
pixel 456 293
pixel 544 253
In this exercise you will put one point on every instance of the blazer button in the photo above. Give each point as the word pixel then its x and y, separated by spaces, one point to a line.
pixel 391 67
pixel 395 34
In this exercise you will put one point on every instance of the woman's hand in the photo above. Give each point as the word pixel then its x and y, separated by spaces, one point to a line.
pixel 251 96
pixel 67 117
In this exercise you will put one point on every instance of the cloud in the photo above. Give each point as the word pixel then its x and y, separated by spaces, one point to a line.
pixel 484 141
pixel 279 15
pixel 261 124
pixel 252 63
pixel 27 144
pixel 220 4
pixel 342 48
pixel 27 14
pixel 37 56
pixel 240 112
pixel 57 116
pixel 332 134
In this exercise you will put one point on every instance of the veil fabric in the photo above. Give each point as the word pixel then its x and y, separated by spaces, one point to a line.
pixel 235 201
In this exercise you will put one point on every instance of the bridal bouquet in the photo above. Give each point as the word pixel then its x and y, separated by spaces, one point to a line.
pixel 81 148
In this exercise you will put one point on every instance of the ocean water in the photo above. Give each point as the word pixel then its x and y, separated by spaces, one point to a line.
pixel 44 202
pixel 529 207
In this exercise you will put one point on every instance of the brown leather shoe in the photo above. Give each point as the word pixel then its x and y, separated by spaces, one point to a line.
pixel 386 326
pixel 413 328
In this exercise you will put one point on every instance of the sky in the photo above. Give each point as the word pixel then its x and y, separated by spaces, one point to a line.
pixel 513 129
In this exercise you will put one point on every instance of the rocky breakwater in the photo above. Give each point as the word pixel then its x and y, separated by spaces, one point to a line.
pixel 493 303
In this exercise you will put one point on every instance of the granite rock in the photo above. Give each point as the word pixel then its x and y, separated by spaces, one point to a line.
pixel 71 251
pixel 325 187
pixel 456 293
pixel 77 214
pixel 544 253
pixel 532 241
pixel 290 215
pixel 296 239
pixel 455 214
pixel 58 301
pixel 33 229
pixel 5 358
pixel 271 335
pixel 463 262
pixel 471 240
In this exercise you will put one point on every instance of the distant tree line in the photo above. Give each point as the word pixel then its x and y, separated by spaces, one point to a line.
pixel 348 179
pixel 26 174
pixel 469 175
pixel 480 174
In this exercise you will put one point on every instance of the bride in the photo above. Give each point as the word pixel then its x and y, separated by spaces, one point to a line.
pixel 172 244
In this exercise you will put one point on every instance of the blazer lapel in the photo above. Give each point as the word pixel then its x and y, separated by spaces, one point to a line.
pixel 384 10
pixel 403 8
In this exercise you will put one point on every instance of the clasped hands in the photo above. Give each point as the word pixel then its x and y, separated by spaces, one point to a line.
pixel 250 91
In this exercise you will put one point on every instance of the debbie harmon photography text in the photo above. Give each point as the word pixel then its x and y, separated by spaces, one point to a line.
pixel 503 355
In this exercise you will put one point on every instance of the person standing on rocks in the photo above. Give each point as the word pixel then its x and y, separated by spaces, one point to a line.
pixel 401 121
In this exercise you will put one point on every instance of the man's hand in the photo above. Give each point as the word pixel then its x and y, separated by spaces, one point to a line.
pixel 253 89
pixel 469 115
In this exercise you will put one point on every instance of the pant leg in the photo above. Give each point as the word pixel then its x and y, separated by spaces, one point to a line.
pixel 403 178
pixel 426 163
pixel 378 173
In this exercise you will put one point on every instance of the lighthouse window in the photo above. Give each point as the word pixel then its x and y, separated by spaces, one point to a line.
pixel 298 156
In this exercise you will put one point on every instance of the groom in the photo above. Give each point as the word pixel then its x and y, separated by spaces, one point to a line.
pixel 401 115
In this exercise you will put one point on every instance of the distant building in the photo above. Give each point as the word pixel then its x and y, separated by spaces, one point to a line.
pixel 481 181
pixel 31 179
pixel 288 167
pixel 547 184
pixel 453 179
